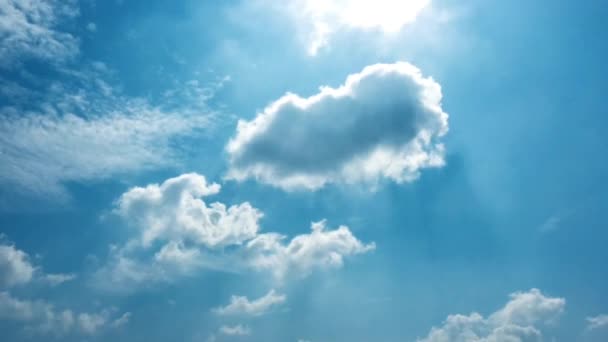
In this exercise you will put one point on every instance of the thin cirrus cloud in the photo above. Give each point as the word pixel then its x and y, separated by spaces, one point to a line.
pixel 177 233
pixel 241 305
pixel 95 133
pixel 382 123
pixel 29 29
pixel 521 319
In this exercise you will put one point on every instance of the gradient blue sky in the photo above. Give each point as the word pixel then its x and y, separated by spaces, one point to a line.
pixel 117 117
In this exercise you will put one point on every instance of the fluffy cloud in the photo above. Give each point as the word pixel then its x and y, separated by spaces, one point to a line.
pixel 597 322
pixel 28 28
pixel 240 305
pixel 321 249
pixel 174 210
pixel 237 330
pixel 384 122
pixel 15 267
pixel 41 317
pixel 177 233
pixel 519 320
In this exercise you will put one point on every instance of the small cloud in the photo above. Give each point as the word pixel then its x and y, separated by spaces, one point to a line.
pixel 92 27
pixel 236 330
pixel 59 278
pixel 597 322
pixel 240 305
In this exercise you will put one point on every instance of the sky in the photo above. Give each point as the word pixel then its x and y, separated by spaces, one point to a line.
pixel 305 171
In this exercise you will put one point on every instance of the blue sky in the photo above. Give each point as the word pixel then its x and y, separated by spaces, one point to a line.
pixel 414 170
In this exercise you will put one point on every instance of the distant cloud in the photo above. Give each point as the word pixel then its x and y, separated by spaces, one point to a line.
pixel 15 267
pixel 597 322
pixel 521 319
pixel 28 29
pixel 241 305
pixel 236 330
pixel 382 123
pixel 178 234
pixel 41 317
pixel 92 27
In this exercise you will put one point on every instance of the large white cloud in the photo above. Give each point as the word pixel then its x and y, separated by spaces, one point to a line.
pixel 29 28
pixel 41 317
pixel 520 320
pixel 241 305
pixel 177 234
pixel 384 122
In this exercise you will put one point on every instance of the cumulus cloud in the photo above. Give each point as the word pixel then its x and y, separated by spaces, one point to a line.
pixel 15 267
pixel 597 322
pixel 236 330
pixel 520 320
pixel 177 233
pixel 41 317
pixel 241 305
pixel 321 249
pixel 382 123
pixel 29 29
pixel 174 210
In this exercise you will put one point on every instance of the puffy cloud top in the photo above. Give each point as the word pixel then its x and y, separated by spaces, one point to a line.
pixel 175 211
pixel 241 305
pixel 15 267
pixel 383 122
pixel 518 321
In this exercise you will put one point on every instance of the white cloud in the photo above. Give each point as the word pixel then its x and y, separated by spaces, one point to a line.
pixel 178 234
pixel 240 305
pixel 237 330
pixel 93 133
pixel 384 122
pixel 321 249
pixel 41 317
pixel 15 267
pixel 29 29
pixel 520 320
pixel 175 211
pixel 58 278
pixel 122 320
pixel 597 322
